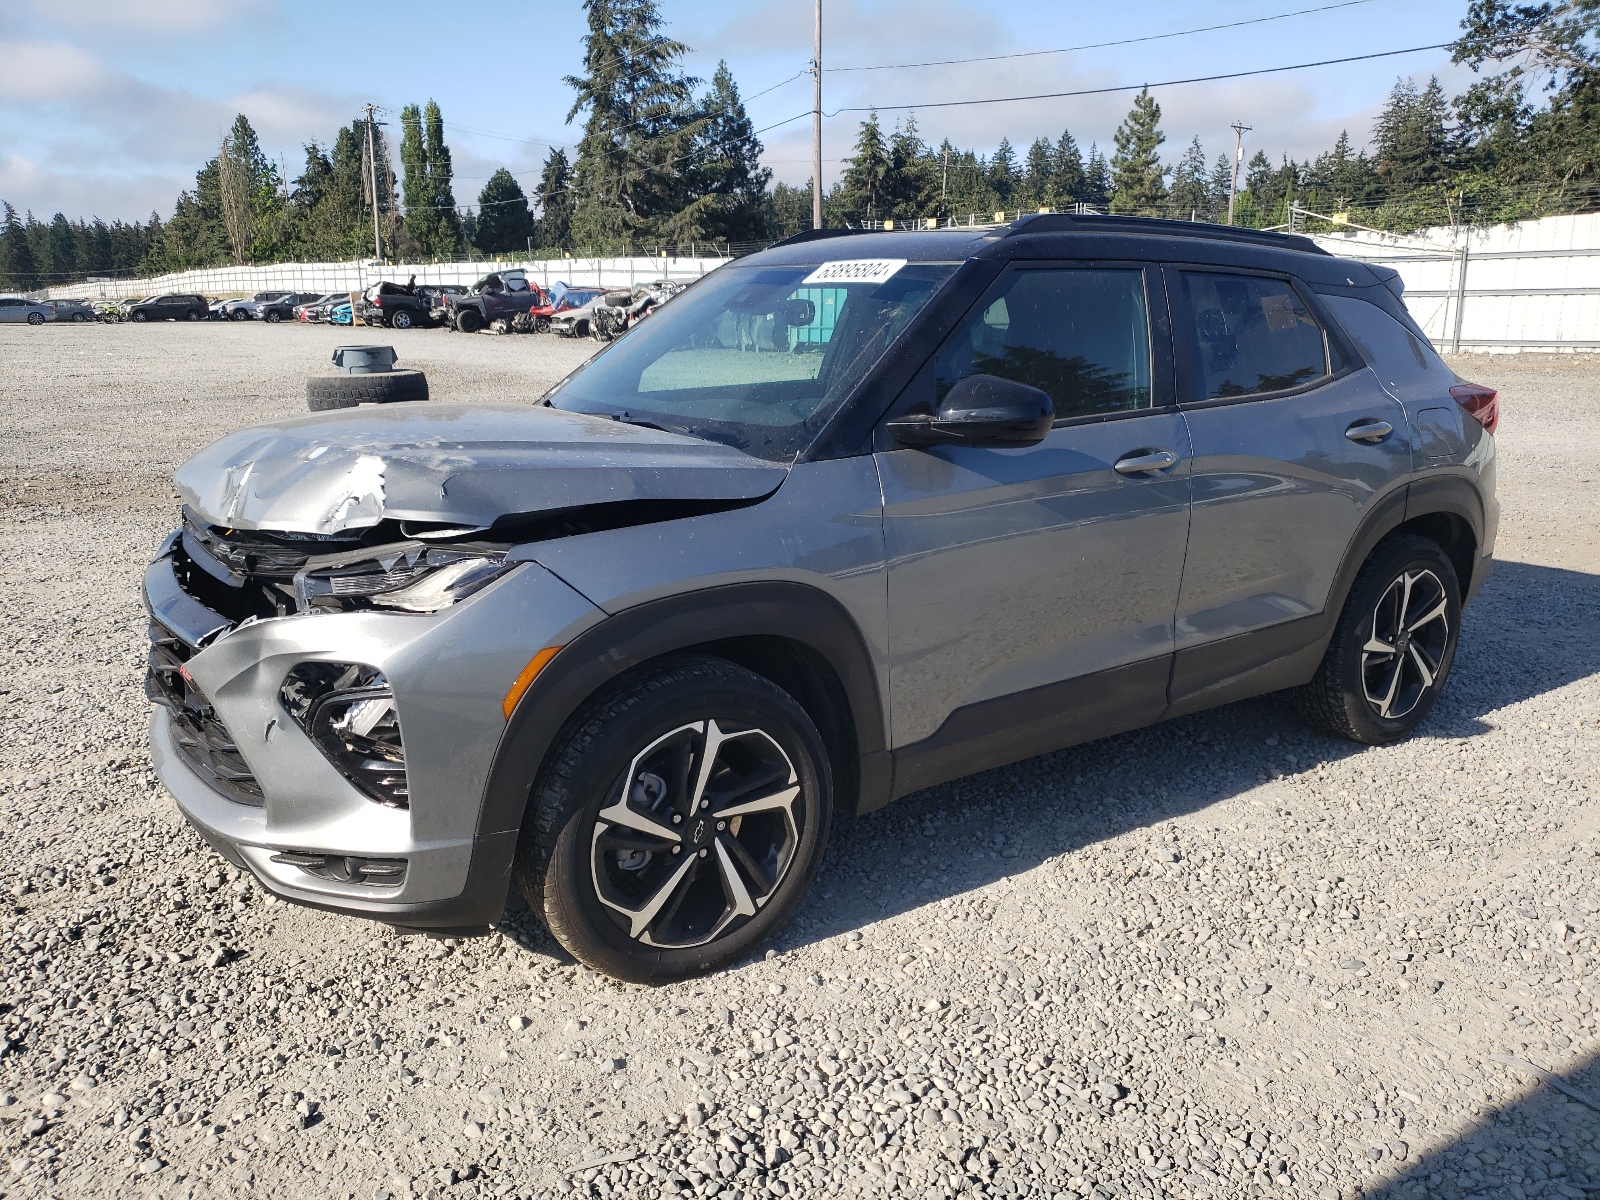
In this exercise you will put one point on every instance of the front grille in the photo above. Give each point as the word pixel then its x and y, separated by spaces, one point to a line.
pixel 197 731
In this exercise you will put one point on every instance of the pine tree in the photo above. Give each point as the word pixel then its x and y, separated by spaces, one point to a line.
pixel 1218 186
pixel 1411 137
pixel 1039 176
pixel 1067 168
pixel 1137 176
pixel 1096 179
pixel 726 180
pixel 554 197
pixel 641 125
pixel 1002 173
pixel 504 223
pixel 1191 191
pixel 18 267
pixel 247 191
pixel 861 187
pixel 431 224
pixel 911 181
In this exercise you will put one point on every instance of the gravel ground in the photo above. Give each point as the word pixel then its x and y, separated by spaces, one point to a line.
pixel 1220 957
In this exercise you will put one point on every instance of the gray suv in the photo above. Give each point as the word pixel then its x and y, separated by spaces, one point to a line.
pixel 850 517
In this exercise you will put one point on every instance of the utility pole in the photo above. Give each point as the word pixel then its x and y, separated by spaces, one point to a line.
pixel 1239 130
pixel 372 166
pixel 944 185
pixel 816 121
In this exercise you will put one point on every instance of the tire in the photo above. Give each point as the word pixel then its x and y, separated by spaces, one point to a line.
pixel 139 317
pixel 79 318
pixel 35 318
pixel 272 316
pixel 193 314
pixel 401 319
pixel 240 314
pixel 469 320
pixel 1357 693
pixel 334 389
pixel 603 328
pixel 628 904
pixel 541 324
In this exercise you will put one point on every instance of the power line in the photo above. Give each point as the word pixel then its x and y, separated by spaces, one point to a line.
pixel 1134 87
pixel 1153 37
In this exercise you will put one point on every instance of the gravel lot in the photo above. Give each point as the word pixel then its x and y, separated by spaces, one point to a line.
pixel 1221 957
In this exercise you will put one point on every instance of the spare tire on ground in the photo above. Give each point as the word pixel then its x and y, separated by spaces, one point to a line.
pixel 334 389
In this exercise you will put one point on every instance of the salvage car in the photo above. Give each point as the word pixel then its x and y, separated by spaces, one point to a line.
pixel 853 516
pixel 283 308
pixel 495 300
pixel 177 307
pixel 246 309
pixel 76 311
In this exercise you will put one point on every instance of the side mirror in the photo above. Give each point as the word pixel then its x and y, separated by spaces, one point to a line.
pixel 982 410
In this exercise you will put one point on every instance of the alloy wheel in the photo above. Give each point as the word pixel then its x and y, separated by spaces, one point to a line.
pixel 700 834
pixel 1403 653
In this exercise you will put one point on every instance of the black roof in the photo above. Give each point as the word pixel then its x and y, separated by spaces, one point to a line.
pixel 1041 234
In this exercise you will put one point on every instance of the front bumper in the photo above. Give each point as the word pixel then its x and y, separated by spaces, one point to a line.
pixel 448 671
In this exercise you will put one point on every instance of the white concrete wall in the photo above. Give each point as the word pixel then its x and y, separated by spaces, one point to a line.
pixel 354 276
pixel 1430 265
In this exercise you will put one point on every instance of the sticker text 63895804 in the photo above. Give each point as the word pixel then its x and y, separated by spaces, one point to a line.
pixel 854 270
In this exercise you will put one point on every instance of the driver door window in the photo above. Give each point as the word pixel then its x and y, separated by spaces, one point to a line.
pixel 1080 334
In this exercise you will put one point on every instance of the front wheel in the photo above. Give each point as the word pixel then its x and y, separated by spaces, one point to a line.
pixel 273 316
pixel 677 822
pixel 240 314
pixel 1392 650
pixel 469 320
pixel 79 318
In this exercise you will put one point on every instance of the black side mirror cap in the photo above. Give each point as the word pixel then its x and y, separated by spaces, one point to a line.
pixel 982 410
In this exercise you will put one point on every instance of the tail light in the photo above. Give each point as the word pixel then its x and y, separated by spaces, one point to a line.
pixel 1482 404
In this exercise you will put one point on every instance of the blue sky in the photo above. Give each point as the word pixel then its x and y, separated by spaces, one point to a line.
pixel 108 107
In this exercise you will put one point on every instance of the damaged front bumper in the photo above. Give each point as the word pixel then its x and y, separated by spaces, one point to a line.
pixel 254 779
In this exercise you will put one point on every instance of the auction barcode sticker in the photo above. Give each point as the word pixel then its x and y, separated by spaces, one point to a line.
pixel 854 270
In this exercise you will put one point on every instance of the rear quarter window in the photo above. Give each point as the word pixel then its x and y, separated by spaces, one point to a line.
pixel 1254 335
pixel 1400 359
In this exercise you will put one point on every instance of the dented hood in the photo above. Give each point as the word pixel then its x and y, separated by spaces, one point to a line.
pixel 457 465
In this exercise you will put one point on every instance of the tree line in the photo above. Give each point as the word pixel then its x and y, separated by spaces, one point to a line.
pixel 665 160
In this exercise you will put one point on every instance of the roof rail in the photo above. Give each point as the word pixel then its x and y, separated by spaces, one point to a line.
pixel 813 235
pixel 1088 222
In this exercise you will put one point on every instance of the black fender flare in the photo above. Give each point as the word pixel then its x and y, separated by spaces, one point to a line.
pixel 794 612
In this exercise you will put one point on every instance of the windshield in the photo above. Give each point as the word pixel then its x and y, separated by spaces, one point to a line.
pixel 753 357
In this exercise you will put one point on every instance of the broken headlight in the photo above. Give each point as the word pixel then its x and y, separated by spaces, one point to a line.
pixel 407 577
pixel 348 710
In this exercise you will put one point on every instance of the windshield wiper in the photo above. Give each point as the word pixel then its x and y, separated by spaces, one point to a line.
pixel 628 419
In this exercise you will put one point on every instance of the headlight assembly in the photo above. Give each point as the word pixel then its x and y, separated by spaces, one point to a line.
pixel 406 577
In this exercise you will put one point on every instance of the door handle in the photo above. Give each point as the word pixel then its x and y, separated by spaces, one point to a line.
pixel 1370 430
pixel 1145 462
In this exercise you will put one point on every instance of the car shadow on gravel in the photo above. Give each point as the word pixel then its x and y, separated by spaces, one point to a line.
pixel 1526 635
pixel 1541 1146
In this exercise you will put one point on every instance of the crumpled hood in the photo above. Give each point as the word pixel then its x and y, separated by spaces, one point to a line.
pixel 457 464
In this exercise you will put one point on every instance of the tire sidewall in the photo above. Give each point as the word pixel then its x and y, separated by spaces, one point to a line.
pixel 570 905
pixel 1404 555
pixel 401 320
pixel 139 318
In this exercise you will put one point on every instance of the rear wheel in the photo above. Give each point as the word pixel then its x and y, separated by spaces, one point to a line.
pixel 677 822
pixel 1394 645
pixel 401 319
pixel 193 314
pixel 36 318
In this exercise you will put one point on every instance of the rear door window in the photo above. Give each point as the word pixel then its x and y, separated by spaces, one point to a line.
pixel 1253 334
pixel 1081 334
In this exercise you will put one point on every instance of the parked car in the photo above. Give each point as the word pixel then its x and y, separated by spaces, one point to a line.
pixel 176 307
pixel 494 298
pixel 217 310
pixel 246 309
pixel 282 309
pixel 612 313
pixel 316 311
pixel 853 516
pixel 395 305
pixel 76 311
pixel 16 309
pixel 339 313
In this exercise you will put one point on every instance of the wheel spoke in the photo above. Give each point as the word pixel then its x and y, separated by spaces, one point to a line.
pixel 739 901
pixel 620 814
pixel 714 737
pixel 639 919
pixel 1376 645
pixel 783 798
pixel 1387 704
pixel 1423 666
pixel 614 838
pixel 1427 618
pixel 751 867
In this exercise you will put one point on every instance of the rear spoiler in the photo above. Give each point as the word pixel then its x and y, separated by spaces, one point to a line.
pixel 1390 278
